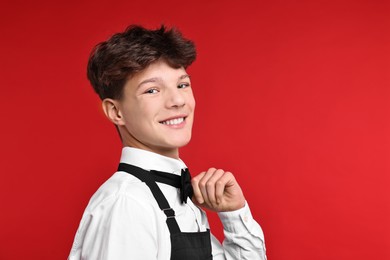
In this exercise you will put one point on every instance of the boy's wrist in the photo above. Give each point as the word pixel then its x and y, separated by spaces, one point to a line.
pixel 236 221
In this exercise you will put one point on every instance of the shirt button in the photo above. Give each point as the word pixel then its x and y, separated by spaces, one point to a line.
pixel 245 218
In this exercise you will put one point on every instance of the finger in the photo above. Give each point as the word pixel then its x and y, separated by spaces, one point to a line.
pixel 203 184
pixel 195 186
pixel 224 184
pixel 232 196
pixel 211 187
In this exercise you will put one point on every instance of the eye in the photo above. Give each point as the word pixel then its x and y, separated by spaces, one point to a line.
pixel 183 85
pixel 151 91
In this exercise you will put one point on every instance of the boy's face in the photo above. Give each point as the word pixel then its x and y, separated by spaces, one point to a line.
pixel 157 109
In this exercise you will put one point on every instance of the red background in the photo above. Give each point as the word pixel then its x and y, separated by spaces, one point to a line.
pixel 292 96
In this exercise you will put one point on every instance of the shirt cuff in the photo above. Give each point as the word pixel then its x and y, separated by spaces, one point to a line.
pixel 237 221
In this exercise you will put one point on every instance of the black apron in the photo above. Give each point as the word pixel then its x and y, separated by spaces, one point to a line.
pixel 184 245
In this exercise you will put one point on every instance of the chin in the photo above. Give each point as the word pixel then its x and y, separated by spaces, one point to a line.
pixel 182 142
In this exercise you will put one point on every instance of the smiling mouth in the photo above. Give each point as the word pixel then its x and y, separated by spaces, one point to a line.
pixel 175 121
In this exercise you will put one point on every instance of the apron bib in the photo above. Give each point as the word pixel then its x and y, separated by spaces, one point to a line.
pixel 184 245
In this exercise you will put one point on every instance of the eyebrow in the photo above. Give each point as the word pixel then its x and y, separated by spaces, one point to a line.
pixel 148 81
pixel 156 79
pixel 184 76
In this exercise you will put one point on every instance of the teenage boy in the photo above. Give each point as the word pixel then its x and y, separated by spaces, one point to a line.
pixel 142 211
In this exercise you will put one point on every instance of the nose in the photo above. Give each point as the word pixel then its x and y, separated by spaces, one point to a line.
pixel 175 98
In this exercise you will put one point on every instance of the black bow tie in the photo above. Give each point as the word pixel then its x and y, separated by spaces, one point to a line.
pixel 183 182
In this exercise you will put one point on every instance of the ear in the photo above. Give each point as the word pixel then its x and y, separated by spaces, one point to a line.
pixel 112 111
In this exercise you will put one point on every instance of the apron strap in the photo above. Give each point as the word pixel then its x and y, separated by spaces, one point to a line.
pixel 162 202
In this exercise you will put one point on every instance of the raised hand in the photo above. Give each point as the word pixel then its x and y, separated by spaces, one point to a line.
pixel 217 190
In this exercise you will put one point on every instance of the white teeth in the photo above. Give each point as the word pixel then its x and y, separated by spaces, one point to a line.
pixel 175 121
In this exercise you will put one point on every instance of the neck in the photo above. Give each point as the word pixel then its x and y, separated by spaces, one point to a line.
pixel 172 153
pixel 131 141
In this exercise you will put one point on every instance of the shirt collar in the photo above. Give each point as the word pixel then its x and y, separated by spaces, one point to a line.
pixel 151 161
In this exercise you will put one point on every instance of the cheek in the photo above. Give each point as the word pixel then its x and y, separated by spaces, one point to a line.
pixel 134 115
pixel 191 101
pixel 129 113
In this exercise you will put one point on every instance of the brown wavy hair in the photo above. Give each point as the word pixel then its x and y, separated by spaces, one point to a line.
pixel 113 62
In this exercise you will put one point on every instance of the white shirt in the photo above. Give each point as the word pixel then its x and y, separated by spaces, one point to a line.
pixel 123 220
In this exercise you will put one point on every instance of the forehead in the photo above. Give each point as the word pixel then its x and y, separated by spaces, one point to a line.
pixel 161 71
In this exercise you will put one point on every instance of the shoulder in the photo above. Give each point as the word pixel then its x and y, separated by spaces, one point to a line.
pixel 121 192
pixel 122 201
pixel 122 209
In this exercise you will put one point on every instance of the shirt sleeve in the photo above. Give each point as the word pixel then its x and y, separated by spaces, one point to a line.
pixel 244 238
